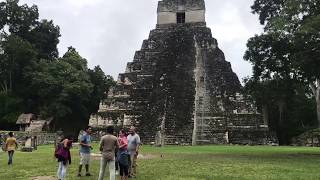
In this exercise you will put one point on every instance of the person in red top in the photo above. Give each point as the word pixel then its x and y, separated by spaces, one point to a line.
pixel 123 155
pixel 123 141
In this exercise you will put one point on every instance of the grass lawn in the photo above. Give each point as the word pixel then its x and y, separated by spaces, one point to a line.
pixel 184 163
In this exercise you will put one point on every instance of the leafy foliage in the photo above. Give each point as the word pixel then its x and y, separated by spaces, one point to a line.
pixel 33 79
pixel 286 63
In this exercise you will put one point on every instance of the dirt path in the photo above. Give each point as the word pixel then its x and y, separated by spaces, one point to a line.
pixel 140 156
pixel 43 178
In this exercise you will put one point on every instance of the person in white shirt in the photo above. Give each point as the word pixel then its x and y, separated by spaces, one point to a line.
pixel 133 148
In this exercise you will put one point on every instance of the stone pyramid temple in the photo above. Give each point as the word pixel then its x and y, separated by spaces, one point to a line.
pixel 179 89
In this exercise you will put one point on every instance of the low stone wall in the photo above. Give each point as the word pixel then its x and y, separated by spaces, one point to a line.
pixel 21 136
pixel 309 138
pixel 252 137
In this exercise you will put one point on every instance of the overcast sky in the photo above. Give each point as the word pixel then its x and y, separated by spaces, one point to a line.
pixel 108 32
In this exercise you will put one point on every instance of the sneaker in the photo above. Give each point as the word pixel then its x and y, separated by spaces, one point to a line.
pixel 88 174
pixel 117 172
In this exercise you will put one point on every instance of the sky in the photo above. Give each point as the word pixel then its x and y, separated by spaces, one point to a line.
pixel 108 32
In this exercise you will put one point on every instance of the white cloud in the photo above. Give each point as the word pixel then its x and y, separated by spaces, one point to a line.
pixel 82 3
pixel 232 25
pixel 108 32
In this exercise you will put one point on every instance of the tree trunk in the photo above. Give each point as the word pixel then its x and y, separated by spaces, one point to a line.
pixel 317 96
pixel 315 86
pixel 4 87
pixel 265 114
pixel 318 110
pixel 281 110
pixel 10 81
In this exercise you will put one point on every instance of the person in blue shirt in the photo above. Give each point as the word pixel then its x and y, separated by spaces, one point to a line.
pixel 85 150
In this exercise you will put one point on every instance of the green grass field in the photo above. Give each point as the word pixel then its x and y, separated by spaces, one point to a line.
pixel 184 163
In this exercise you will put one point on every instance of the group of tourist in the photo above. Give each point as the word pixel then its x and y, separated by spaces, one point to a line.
pixel 119 153
pixel 10 145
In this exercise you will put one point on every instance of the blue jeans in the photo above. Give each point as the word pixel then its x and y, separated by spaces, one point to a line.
pixel 62 171
pixel 10 154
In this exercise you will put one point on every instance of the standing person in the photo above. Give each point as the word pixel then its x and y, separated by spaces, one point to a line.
pixel 85 150
pixel 108 145
pixel 11 146
pixel 133 148
pixel 123 155
pixel 64 157
pixel 116 158
pixel 116 161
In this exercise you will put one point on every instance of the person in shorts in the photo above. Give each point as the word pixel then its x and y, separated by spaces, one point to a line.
pixel 85 150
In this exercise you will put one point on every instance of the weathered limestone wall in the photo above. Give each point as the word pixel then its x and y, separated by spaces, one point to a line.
pixel 167 11
pixel 180 89
pixel 179 5
pixel 249 136
pixel 309 138
pixel 167 18
pixel 171 17
pixel 195 16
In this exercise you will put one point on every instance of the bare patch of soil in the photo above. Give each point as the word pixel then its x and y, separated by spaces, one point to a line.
pixel 140 156
pixel 95 156
pixel 44 178
pixel 146 156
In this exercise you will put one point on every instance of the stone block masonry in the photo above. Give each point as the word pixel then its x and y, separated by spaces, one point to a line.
pixel 180 89
pixel 42 137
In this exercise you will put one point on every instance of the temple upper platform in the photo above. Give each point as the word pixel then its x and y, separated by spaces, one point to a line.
pixel 180 11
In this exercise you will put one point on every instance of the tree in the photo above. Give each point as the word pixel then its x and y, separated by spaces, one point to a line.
pixel 289 48
pixel 19 19
pixel 18 55
pixel 101 84
pixel 23 22
pixel 45 37
pixel 64 90
pixel 33 79
pixel 23 42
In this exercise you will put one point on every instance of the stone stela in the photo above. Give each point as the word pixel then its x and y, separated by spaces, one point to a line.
pixel 179 89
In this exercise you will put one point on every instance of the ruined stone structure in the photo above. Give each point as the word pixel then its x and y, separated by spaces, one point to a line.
pixel 32 123
pixel 179 89
pixel 40 138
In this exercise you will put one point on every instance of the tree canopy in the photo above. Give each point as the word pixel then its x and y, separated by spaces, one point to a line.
pixel 285 59
pixel 34 79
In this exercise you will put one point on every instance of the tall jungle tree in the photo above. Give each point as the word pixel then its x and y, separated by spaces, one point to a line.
pixel 299 20
pixel 286 64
